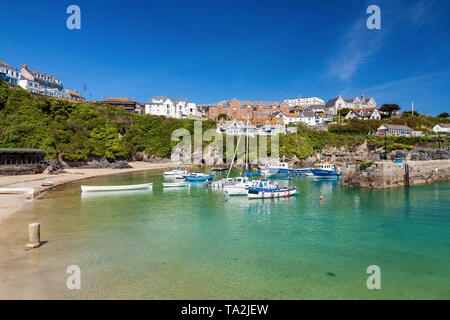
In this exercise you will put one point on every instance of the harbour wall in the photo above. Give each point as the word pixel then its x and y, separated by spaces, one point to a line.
pixel 387 174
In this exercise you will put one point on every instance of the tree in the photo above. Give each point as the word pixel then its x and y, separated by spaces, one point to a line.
pixel 443 115
pixel 223 116
pixel 390 108
pixel 343 112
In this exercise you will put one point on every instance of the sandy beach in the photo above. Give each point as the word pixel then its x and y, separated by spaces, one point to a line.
pixel 11 203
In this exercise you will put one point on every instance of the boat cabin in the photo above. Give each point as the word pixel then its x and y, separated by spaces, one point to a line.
pixel 260 183
pixel 325 166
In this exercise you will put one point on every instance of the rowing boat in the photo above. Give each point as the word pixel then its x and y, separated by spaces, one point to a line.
pixel 174 184
pixel 116 188
pixel 17 190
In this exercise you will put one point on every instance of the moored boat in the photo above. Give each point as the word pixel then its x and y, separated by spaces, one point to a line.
pixel 116 188
pixel 261 189
pixel 17 190
pixel 326 171
pixel 198 176
pixel 174 184
pixel 239 187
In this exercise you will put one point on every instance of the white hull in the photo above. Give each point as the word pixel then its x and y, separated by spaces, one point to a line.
pixel 175 173
pixel 17 190
pixel 277 194
pixel 175 184
pixel 116 188
pixel 236 190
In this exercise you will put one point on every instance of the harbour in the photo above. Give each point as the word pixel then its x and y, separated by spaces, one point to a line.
pixel 196 243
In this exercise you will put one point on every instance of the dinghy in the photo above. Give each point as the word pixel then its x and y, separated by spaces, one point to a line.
pixel 197 176
pixel 174 184
pixel 116 188
pixel 17 190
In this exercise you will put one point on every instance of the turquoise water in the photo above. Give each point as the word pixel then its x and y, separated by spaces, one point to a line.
pixel 196 243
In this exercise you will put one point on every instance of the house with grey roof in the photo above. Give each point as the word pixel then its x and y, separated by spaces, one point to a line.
pixel 442 127
pixel 8 73
pixel 40 82
pixel 339 102
pixel 172 107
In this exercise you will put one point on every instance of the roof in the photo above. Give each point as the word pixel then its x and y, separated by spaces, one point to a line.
pixel 444 125
pixel 6 65
pixel 364 112
pixel 117 99
pixel 74 93
pixel 21 150
pixel 331 102
pixel 396 126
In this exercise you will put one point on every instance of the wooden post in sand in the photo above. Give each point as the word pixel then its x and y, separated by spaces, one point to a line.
pixel 34 236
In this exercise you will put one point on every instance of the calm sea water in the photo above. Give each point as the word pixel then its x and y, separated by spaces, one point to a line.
pixel 195 243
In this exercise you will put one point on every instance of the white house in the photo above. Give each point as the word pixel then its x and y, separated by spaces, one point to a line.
pixel 171 107
pixel 339 103
pixel 8 73
pixel 302 102
pixel 363 114
pixel 442 127
pixel 40 82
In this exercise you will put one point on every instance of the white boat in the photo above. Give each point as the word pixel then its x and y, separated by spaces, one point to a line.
pixel 174 184
pixel 17 190
pixel 116 188
pixel 175 172
pixel 261 189
pixel 47 183
pixel 239 187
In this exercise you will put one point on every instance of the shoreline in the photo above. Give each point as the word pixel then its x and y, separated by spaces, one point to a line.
pixel 11 203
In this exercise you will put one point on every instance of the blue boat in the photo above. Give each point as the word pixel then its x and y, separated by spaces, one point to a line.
pixel 261 189
pixel 248 174
pixel 326 171
pixel 197 176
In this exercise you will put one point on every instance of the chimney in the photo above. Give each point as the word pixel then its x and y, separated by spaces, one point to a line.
pixel 24 66
pixel 103 98
pixel 362 98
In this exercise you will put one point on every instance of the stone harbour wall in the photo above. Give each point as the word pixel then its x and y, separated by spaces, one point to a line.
pixel 387 174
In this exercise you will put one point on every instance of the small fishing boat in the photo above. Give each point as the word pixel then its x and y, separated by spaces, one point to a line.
pixel 326 171
pixel 239 187
pixel 174 184
pixel 261 189
pixel 116 188
pixel 47 184
pixel 218 169
pixel 198 176
pixel 17 190
pixel 175 172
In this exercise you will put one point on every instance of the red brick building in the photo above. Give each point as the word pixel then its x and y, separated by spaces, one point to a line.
pixel 245 109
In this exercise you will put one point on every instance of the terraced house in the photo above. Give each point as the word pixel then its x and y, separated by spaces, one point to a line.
pixel 40 82
pixel 8 73
pixel 246 109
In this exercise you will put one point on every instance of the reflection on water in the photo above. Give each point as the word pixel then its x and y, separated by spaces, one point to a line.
pixel 114 194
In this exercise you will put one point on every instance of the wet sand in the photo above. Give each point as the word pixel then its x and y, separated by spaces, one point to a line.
pixel 10 203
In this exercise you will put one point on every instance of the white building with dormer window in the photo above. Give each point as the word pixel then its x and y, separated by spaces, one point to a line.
pixel 40 82
pixel 340 103
pixel 8 73
pixel 304 102
pixel 172 107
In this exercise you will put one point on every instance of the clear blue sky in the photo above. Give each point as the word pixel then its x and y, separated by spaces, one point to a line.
pixel 211 50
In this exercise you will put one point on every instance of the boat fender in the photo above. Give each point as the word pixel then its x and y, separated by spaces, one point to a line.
pixel 321 198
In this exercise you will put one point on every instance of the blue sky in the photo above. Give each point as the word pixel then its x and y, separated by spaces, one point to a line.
pixel 208 51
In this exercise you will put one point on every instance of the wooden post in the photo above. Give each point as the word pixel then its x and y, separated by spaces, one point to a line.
pixel 34 236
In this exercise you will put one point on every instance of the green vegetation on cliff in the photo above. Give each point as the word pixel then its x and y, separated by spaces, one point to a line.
pixel 77 132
